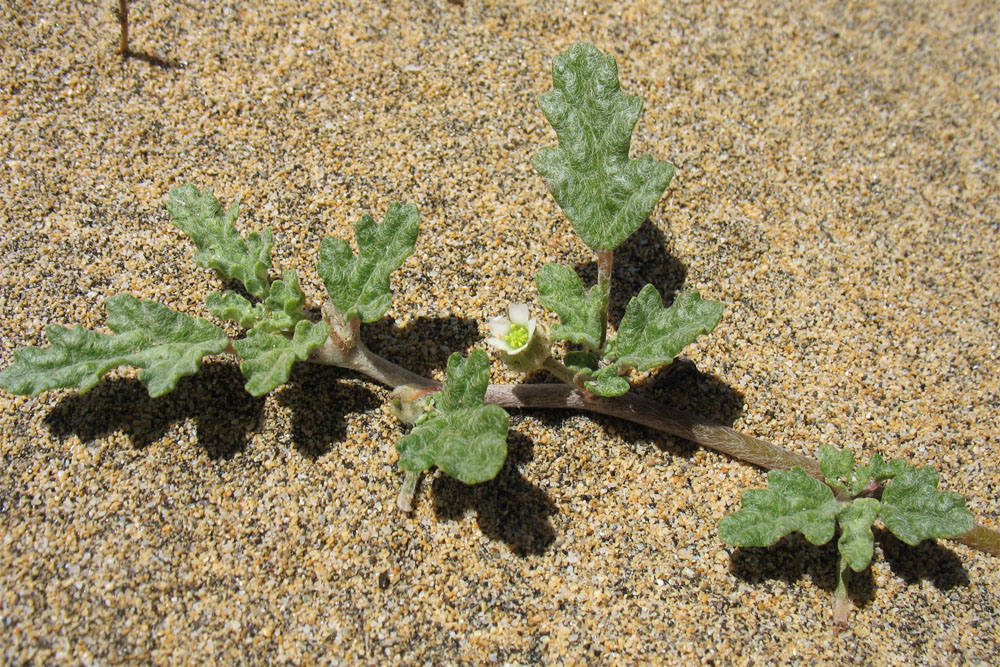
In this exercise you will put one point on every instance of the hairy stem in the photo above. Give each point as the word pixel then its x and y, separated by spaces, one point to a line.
pixel 605 264
pixel 123 22
pixel 841 603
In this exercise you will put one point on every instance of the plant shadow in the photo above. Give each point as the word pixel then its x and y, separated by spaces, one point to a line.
pixel 424 344
pixel 214 397
pixel 154 60
pixel 319 400
pixel 793 557
pixel 507 508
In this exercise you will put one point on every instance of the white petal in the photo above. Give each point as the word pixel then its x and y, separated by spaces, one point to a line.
pixel 499 326
pixel 519 313
pixel 498 343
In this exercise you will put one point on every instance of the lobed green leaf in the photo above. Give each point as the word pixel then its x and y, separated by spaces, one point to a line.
pixel 914 510
pixel 836 465
pixel 220 247
pixel 605 195
pixel 464 438
pixel 793 501
pixel 650 336
pixel 164 343
pixel 268 357
pixel 561 291
pixel 857 543
pixel 230 305
pixel 607 382
pixel 359 286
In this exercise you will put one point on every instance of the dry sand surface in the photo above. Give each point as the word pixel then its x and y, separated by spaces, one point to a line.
pixel 837 187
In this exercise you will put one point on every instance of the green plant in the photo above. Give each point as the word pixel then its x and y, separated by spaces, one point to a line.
pixel 460 426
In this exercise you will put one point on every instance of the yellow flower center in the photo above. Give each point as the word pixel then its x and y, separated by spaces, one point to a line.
pixel 517 336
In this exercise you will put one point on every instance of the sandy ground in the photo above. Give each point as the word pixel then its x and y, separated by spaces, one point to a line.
pixel 836 187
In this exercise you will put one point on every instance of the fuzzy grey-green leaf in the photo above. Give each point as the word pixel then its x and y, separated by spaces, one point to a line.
pixel 164 343
pixel 914 510
pixel 220 247
pixel 464 438
pixel 605 195
pixel 229 305
pixel 359 285
pixel 607 382
pixel 283 303
pixel 856 543
pixel 793 501
pixel 470 444
pixel 561 290
pixel 650 336
pixel 268 357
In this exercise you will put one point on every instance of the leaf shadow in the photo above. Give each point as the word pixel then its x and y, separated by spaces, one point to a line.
pixel 319 400
pixel 424 344
pixel 643 258
pixel 793 557
pixel 224 413
pixel 154 60
pixel 927 561
pixel 508 507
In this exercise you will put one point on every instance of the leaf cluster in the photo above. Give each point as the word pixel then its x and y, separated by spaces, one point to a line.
pixel 905 498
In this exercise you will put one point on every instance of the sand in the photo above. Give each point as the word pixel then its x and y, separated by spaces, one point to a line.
pixel 836 187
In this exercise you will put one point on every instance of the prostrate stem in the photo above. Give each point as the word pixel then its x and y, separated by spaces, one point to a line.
pixel 631 406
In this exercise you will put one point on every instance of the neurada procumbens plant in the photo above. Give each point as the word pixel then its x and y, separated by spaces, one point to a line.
pixel 460 426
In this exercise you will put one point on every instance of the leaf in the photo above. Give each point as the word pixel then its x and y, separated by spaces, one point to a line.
pixel 836 465
pixel 793 501
pixel 164 343
pixel 467 382
pixel 561 290
pixel 605 195
pixel 650 336
pixel 607 382
pixel 856 543
pixel 283 303
pixel 201 216
pixel 229 305
pixel 579 361
pixel 281 309
pixel 268 357
pixel 466 439
pixel 877 470
pixel 359 286
pixel 914 510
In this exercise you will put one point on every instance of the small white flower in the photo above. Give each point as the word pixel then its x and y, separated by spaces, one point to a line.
pixel 512 334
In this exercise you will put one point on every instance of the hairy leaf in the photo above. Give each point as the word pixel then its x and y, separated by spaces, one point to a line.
pixel 268 357
pixel 165 344
pixel 856 543
pixel 561 290
pixel 281 309
pixel 836 465
pixel 793 501
pixel 359 286
pixel 605 195
pixel 229 305
pixel 914 510
pixel 877 470
pixel 465 438
pixel 220 247
pixel 284 303
pixel 650 336
pixel 607 382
